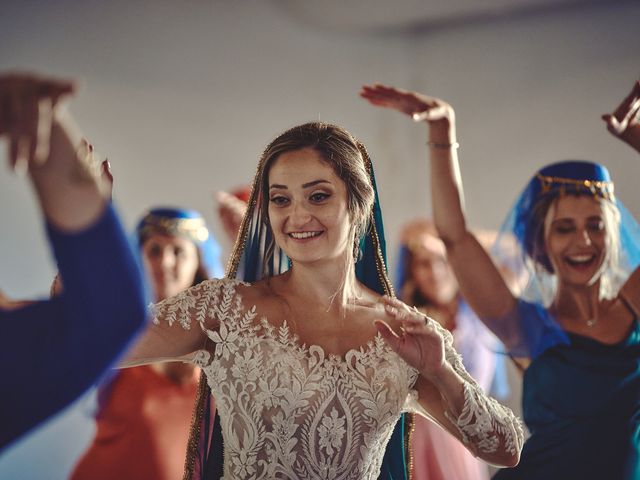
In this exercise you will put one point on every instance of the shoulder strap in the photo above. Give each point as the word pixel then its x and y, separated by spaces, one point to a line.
pixel 630 292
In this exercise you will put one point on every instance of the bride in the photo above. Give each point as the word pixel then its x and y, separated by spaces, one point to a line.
pixel 311 359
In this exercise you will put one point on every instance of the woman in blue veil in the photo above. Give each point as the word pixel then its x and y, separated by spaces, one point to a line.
pixel 575 326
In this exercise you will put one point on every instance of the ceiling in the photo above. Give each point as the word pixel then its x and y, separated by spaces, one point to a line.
pixel 416 14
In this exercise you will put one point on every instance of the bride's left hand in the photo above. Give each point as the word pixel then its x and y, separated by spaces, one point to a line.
pixel 419 343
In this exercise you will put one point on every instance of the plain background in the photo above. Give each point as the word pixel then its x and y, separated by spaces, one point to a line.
pixel 183 96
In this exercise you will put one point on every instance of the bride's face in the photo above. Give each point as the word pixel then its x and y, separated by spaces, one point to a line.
pixel 308 208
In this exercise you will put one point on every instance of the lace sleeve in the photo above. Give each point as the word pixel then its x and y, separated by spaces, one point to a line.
pixel 487 428
pixel 194 304
pixel 171 336
pixel 485 425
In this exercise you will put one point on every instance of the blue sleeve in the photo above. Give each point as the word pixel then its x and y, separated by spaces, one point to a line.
pixel 52 351
pixel 537 331
pixel 540 330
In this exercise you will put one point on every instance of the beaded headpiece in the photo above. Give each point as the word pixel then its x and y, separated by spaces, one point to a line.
pixel 575 177
pixel 183 223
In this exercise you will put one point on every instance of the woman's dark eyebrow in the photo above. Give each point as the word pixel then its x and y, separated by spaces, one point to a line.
pixel 304 185
pixel 315 182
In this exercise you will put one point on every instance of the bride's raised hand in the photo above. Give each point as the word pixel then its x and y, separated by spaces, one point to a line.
pixel 624 122
pixel 415 105
pixel 418 342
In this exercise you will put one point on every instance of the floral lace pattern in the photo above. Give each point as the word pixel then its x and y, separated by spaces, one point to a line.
pixel 484 423
pixel 291 411
pixel 287 410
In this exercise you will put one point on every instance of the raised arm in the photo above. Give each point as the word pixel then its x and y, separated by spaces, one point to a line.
pixel 63 344
pixel 481 283
pixel 624 122
pixel 230 212
pixel 447 394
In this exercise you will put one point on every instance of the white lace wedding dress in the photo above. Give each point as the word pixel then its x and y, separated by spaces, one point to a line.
pixel 291 411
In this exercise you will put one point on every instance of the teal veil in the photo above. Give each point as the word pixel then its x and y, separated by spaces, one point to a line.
pixel 255 256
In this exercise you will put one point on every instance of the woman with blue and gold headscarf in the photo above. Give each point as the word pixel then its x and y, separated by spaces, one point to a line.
pixel 576 322
pixel 142 425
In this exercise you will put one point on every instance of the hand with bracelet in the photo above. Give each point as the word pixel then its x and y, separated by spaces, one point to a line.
pixel 437 113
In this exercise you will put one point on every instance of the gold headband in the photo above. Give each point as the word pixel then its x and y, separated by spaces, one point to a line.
pixel 600 188
pixel 193 228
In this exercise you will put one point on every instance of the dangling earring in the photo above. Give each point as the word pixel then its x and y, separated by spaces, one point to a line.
pixel 357 252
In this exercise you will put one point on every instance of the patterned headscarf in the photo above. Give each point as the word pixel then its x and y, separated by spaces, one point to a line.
pixel 189 224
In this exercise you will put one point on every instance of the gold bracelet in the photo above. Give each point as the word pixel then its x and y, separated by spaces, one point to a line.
pixel 443 145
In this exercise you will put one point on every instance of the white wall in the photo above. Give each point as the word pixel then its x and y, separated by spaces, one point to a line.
pixel 183 96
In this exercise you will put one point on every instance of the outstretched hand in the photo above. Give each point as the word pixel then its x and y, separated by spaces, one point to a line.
pixel 624 122
pixel 419 342
pixel 231 212
pixel 27 106
pixel 73 186
pixel 416 105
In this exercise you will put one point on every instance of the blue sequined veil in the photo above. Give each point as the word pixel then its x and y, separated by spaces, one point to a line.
pixel 247 263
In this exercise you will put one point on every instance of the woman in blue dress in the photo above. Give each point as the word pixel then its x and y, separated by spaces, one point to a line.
pixel 52 351
pixel 577 320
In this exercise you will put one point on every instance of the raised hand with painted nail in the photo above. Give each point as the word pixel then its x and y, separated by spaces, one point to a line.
pixel 624 122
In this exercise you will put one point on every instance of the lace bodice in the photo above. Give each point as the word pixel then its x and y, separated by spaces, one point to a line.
pixel 288 410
